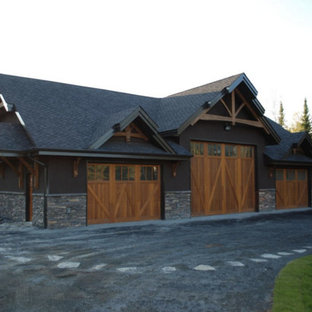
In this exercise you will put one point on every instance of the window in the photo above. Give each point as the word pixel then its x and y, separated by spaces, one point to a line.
pixel 230 150
pixel 214 149
pixel 301 175
pixel 290 174
pixel 246 151
pixel 197 148
pixel 98 173
pixel 279 174
pixel 149 173
pixel 124 173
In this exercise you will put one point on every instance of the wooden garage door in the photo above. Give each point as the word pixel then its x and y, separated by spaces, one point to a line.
pixel 118 193
pixel 222 178
pixel 291 188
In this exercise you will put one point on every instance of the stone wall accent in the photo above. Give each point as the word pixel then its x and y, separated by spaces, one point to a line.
pixel 177 204
pixel 37 210
pixel 13 206
pixel 266 200
pixel 66 210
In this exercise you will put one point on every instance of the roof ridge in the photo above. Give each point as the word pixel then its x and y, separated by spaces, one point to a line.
pixel 197 90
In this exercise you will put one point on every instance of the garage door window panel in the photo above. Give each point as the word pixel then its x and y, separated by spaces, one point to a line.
pixel 149 173
pixel 230 150
pixel 214 150
pixel 197 148
pixel 98 173
pixel 124 173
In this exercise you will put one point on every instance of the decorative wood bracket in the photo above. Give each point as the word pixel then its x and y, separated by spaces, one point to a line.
pixel 174 166
pixel 76 167
pixel 132 131
pixel 18 171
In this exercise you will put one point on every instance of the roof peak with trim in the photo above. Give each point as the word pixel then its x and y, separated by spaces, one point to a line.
pixel 215 86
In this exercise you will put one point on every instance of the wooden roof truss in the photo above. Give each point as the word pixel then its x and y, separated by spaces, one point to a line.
pixel 233 112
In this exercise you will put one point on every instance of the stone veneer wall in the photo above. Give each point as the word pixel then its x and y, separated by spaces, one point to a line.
pixel 266 200
pixel 66 210
pixel 12 206
pixel 37 210
pixel 177 204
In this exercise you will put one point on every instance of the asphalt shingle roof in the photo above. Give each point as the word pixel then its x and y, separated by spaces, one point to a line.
pixel 13 137
pixel 216 86
pixel 282 151
pixel 63 116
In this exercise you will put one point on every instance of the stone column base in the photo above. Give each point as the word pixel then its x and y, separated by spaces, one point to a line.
pixel 63 210
pixel 177 204
pixel 267 200
pixel 13 206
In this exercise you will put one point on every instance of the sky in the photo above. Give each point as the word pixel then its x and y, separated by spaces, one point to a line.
pixel 157 48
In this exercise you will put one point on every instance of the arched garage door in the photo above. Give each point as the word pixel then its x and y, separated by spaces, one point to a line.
pixel 119 193
pixel 222 178
pixel 291 188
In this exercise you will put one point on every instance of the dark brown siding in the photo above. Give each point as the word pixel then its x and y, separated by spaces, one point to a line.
pixel 9 183
pixel 61 179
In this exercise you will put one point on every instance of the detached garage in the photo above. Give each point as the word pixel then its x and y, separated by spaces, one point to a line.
pixel 76 156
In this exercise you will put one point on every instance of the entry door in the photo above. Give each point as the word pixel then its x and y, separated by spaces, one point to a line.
pixel 291 188
pixel 222 178
pixel 119 192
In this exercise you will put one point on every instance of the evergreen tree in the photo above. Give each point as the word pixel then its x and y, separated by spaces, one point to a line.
pixel 305 118
pixel 281 116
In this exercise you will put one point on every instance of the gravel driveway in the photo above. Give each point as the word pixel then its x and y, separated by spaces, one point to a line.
pixel 200 265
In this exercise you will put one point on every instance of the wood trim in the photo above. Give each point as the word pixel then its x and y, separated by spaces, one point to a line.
pixel 128 133
pixel 224 104
pixel 233 107
pixel 10 165
pixel 230 119
pixel 27 165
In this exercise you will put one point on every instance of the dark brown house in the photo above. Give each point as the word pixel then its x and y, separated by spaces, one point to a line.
pixel 75 156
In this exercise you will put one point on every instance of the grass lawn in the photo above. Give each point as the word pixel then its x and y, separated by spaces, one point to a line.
pixel 293 287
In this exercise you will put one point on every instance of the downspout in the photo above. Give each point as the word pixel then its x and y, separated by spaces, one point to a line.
pixel 45 190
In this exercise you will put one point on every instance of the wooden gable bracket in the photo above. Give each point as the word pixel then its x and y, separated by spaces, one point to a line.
pixel 18 171
pixel 131 131
pixel 233 113
pixel 33 170
pixel 76 167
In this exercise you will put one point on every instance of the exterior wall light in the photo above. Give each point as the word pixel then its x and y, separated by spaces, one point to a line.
pixel 227 127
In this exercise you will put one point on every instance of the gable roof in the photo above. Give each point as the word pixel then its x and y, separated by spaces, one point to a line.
pixel 282 153
pixel 13 138
pixel 216 86
pixel 60 116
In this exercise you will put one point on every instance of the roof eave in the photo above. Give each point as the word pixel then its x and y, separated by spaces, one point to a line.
pixel 97 154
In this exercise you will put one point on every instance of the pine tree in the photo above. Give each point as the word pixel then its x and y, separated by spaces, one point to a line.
pixel 305 118
pixel 281 116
